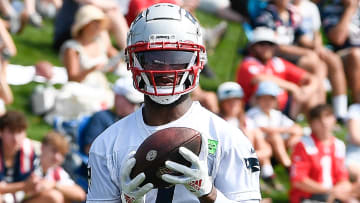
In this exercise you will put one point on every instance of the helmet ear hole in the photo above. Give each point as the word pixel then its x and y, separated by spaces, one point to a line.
pixel 142 84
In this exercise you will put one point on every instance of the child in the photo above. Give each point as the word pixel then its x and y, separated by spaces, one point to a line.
pixel 54 179
pixel 280 131
pixel 16 158
pixel 230 96
pixel 318 172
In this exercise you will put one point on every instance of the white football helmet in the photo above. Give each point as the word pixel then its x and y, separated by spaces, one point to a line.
pixel 165 52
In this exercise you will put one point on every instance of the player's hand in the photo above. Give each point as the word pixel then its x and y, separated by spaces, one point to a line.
pixel 130 190
pixel 195 179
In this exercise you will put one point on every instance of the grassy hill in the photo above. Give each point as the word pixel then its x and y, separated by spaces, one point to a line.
pixel 36 44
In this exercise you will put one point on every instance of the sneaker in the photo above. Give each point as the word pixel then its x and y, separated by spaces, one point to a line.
pixel 35 20
pixel 212 36
pixel 15 24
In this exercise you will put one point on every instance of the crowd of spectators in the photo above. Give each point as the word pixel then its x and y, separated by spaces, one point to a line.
pixel 298 78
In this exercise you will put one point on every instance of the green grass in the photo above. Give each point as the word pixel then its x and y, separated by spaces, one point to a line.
pixel 36 44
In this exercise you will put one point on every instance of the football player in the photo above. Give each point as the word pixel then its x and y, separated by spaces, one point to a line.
pixel 165 54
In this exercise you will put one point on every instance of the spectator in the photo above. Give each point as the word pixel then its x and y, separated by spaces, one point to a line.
pixel 318 172
pixel 340 20
pixel 230 96
pixel 127 99
pixel 65 18
pixel 260 64
pixel 19 14
pixel 54 179
pixel 7 49
pixel 280 131
pixel 207 99
pixel 283 18
pixel 17 161
pixel 353 147
pixel 86 58
pixel 312 39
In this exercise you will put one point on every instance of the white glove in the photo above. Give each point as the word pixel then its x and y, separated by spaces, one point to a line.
pixel 195 179
pixel 130 190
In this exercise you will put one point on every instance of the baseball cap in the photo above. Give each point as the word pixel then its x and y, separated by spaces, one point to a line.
pixel 263 34
pixel 268 88
pixel 229 90
pixel 124 86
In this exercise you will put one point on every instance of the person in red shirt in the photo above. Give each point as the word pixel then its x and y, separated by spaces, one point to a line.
pixel 261 64
pixel 318 171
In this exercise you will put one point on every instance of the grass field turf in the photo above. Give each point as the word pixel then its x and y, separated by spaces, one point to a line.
pixel 36 44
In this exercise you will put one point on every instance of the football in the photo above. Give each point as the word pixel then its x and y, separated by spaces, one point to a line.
pixel 161 146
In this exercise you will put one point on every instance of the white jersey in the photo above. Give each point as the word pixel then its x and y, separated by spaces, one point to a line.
pixel 231 159
pixel 275 119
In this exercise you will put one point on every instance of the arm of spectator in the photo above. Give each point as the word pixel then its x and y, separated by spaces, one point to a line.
pixel 339 33
pixel 29 185
pixel 308 85
pixel 72 64
pixel 72 192
pixel 311 186
pixel 283 84
pixel 354 130
pixel 5 92
pixel 8 43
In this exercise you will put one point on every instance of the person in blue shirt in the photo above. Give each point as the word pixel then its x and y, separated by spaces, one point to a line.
pixel 127 99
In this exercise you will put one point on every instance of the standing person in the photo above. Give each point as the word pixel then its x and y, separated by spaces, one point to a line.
pixel 318 171
pixel 166 56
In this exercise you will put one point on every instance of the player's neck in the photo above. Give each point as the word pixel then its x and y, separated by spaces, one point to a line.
pixel 155 114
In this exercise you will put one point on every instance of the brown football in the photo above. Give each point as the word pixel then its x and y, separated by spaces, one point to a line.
pixel 161 146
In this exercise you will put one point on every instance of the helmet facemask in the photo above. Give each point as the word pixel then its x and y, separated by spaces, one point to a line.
pixel 166 73
pixel 165 52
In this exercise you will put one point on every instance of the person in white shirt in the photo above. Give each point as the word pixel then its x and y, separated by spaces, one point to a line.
pixel 165 54
pixel 280 131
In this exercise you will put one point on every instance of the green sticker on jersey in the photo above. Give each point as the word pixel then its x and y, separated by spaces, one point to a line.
pixel 212 146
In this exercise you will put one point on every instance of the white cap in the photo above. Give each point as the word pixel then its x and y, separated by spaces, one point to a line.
pixel 229 90
pixel 263 34
pixel 268 88
pixel 124 86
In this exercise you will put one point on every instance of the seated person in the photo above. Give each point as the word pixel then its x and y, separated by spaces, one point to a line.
pixel 17 156
pixel 85 58
pixel 230 96
pixel 340 20
pixel 352 159
pixel 312 39
pixel 260 64
pixel 279 130
pixel 53 178
pixel 318 172
pixel 127 99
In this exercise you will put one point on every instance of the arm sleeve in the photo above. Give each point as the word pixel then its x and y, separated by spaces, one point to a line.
pixel 300 164
pixel 101 186
pixel 239 180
